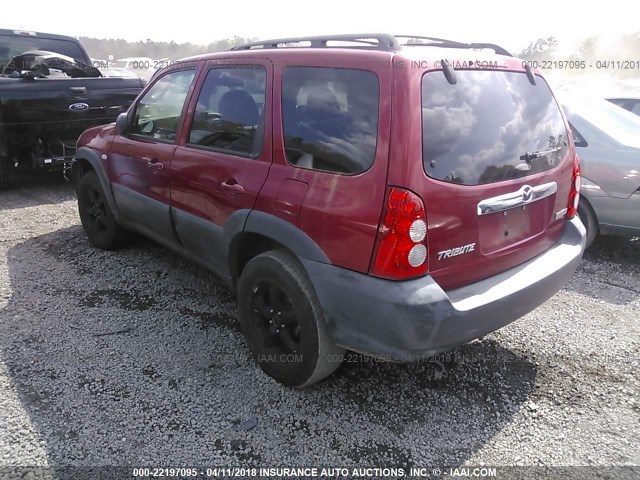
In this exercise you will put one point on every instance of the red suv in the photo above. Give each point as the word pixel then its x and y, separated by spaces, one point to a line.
pixel 396 197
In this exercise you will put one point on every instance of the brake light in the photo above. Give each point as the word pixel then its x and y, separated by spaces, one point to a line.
pixel 574 193
pixel 401 250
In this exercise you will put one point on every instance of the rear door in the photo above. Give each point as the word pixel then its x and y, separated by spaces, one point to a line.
pixel 331 130
pixel 140 159
pixel 225 155
pixel 493 166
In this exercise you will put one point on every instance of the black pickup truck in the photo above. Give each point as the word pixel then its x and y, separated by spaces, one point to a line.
pixel 49 94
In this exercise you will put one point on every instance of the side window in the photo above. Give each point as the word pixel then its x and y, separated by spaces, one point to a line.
pixel 635 107
pixel 229 115
pixel 578 139
pixel 158 111
pixel 330 118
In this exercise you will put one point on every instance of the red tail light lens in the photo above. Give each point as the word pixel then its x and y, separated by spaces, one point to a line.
pixel 574 193
pixel 401 250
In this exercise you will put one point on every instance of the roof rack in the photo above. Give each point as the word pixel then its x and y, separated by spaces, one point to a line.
pixel 441 42
pixel 373 41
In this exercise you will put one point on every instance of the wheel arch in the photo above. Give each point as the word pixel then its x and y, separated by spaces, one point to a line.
pixel 586 203
pixel 262 232
pixel 594 230
pixel 88 160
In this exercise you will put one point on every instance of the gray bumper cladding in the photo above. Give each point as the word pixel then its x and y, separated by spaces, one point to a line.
pixel 404 321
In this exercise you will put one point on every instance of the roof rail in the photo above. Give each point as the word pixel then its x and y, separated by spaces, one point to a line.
pixel 441 42
pixel 374 41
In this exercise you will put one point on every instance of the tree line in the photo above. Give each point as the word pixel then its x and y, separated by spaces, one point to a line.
pixel 589 49
pixel 100 48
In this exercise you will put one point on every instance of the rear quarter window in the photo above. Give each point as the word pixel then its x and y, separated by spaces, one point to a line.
pixel 489 126
pixel 330 118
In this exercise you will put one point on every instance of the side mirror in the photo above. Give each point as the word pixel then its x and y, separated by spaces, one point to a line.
pixel 122 123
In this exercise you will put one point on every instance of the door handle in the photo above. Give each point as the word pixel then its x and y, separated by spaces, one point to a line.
pixel 154 163
pixel 233 188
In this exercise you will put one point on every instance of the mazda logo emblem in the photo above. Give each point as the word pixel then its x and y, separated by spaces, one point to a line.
pixel 78 107
pixel 527 193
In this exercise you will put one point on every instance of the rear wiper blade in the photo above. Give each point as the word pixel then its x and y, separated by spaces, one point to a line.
pixel 528 156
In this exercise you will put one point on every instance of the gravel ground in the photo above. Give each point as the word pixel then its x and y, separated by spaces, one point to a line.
pixel 135 357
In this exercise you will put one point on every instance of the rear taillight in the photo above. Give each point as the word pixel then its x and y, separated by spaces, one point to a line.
pixel 401 244
pixel 574 193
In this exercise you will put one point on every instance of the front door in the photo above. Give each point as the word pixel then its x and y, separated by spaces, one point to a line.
pixel 140 159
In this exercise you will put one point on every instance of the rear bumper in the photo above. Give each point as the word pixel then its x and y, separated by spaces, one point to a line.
pixel 405 321
pixel 53 162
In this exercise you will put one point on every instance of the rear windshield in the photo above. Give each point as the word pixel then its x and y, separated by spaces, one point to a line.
pixel 489 126
pixel 13 45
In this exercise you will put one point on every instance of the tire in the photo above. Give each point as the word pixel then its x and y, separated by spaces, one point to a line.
pixel 97 219
pixel 589 219
pixel 274 288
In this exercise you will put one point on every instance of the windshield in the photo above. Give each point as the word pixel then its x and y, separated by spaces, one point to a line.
pixel 13 45
pixel 618 123
pixel 489 126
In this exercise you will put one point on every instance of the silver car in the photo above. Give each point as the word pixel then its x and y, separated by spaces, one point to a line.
pixel 607 138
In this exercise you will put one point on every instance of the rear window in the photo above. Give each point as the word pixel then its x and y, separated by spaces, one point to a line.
pixel 488 127
pixel 330 118
pixel 13 45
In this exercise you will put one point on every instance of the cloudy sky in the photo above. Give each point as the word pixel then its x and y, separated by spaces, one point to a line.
pixel 510 24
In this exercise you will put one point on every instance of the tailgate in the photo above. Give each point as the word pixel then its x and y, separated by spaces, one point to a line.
pixel 495 172
pixel 67 101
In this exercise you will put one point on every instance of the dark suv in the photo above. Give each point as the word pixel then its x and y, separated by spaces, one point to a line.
pixel 396 197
